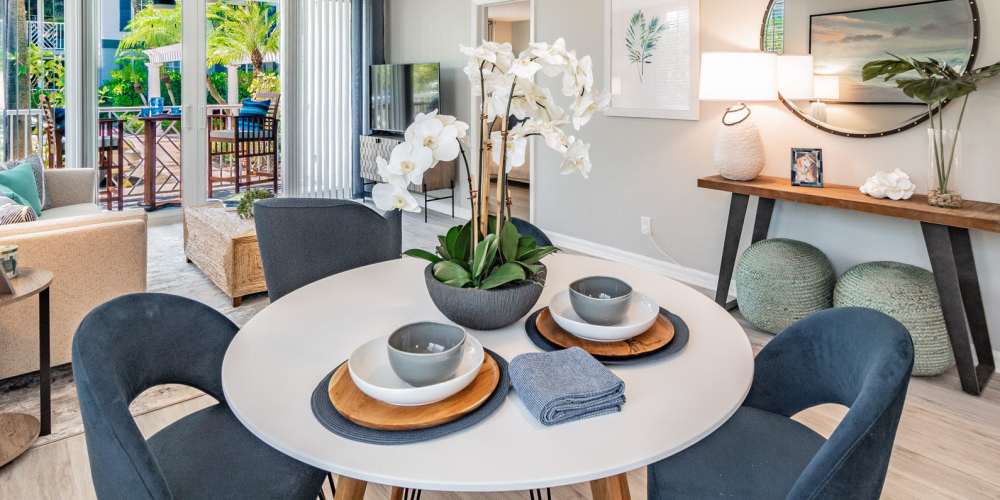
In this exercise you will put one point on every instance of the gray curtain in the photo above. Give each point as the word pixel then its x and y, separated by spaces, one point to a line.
pixel 368 42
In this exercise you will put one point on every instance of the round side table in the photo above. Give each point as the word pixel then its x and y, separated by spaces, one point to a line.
pixel 18 432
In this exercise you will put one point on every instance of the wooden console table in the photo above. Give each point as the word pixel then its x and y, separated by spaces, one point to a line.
pixel 946 234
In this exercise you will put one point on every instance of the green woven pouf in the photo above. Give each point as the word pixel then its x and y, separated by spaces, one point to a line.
pixel 782 281
pixel 908 294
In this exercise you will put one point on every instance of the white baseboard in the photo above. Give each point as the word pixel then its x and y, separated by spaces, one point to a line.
pixel 680 273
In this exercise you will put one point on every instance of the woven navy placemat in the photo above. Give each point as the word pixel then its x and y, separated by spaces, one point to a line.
pixel 337 424
pixel 682 335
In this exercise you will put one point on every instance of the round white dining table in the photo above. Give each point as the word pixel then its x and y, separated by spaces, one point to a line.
pixel 281 355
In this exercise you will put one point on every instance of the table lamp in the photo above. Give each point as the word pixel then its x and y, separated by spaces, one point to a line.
pixel 739 77
pixel 826 87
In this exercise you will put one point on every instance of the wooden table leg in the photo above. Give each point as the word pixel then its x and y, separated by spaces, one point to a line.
pixel 396 493
pixel 955 273
pixel 350 489
pixel 610 488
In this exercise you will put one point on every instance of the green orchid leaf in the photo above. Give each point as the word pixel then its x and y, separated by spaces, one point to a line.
pixel 443 247
pixel 449 272
pixel 423 254
pixel 462 244
pixel 485 254
pixel 535 256
pixel 531 269
pixel 458 283
pixel 509 241
pixel 507 273
pixel 524 245
pixel 451 241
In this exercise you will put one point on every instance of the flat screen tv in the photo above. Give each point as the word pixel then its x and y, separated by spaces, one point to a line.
pixel 400 91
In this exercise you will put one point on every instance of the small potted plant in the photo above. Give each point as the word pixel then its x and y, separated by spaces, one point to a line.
pixel 935 83
pixel 485 275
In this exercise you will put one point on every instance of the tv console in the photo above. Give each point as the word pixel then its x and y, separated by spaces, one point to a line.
pixel 440 178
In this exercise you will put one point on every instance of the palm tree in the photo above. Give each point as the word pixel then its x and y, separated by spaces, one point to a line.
pixel 243 32
pixel 151 28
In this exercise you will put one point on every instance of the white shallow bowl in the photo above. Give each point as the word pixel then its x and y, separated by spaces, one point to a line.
pixel 370 370
pixel 641 315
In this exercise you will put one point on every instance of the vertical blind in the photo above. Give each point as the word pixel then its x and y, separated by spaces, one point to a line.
pixel 321 149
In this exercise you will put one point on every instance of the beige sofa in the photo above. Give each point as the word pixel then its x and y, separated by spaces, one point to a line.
pixel 93 255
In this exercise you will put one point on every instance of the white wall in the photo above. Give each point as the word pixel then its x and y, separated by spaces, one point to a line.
pixel 650 167
pixel 431 31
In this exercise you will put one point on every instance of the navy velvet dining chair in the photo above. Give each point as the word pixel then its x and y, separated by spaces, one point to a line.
pixel 528 229
pixel 858 358
pixel 139 341
pixel 303 240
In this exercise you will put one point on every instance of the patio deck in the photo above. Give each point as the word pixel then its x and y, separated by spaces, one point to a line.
pixel 169 166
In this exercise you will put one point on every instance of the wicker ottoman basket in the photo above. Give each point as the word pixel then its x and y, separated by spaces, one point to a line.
pixel 779 282
pixel 908 294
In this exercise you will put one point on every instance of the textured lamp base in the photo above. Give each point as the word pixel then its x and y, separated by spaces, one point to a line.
pixel 739 151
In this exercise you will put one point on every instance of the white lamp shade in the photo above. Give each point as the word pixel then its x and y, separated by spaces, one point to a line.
pixel 827 87
pixel 795 77
pixel 739 76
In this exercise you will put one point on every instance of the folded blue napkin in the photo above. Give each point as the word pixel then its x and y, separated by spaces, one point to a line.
pixel 563 386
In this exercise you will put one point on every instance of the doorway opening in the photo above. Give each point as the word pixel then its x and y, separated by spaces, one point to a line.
pixel 511 22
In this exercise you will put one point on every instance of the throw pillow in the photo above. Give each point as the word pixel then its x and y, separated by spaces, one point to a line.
pixel 252 108
pixel 39 170
pixel 20 181
pixel 16 214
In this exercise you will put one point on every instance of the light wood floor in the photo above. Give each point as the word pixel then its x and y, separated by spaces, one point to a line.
pixel 948 444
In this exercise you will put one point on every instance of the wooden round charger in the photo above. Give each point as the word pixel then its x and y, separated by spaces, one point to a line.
pixel 658 336
pixel 363 410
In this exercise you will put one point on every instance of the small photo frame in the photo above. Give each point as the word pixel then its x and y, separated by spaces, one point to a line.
pixel 807 167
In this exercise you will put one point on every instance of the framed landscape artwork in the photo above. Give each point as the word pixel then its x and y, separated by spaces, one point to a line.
pixel 842 42
pixel 652 58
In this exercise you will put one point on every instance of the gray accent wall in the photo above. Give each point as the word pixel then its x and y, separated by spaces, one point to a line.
pixel 431 31
pixel 650 167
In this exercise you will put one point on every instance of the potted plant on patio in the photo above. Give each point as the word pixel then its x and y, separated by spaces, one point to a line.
pixel 485 275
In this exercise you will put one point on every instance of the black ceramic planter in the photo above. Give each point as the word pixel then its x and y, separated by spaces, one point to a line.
pixel 485 309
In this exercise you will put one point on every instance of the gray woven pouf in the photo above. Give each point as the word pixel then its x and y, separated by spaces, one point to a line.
pixel 781 281
pixel 908 294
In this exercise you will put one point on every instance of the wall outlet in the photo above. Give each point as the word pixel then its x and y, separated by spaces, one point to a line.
pixel 646 225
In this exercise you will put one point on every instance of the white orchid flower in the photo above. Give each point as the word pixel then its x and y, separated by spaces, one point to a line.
pixel 551 131
pixel 421 118
pixel 393 197
pixel 498 55
pixel 462 127
pixel 387 176
pixel 517 149
pixel 579 78
pixel 553 57
pixel 499 96
pixel 441 139
pixel 410 161
pixel 525 67
pixel 577 158
pixel 585 107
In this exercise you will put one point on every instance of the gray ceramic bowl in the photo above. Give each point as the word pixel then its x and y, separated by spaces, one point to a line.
pixel 426 353
pixel 600 300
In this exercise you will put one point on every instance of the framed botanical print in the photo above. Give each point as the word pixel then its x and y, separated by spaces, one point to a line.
pixel 652 58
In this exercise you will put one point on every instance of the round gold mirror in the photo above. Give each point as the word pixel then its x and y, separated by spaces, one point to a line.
pixel 843 35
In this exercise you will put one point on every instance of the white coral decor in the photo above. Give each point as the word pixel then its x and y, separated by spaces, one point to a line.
pixel 895 185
